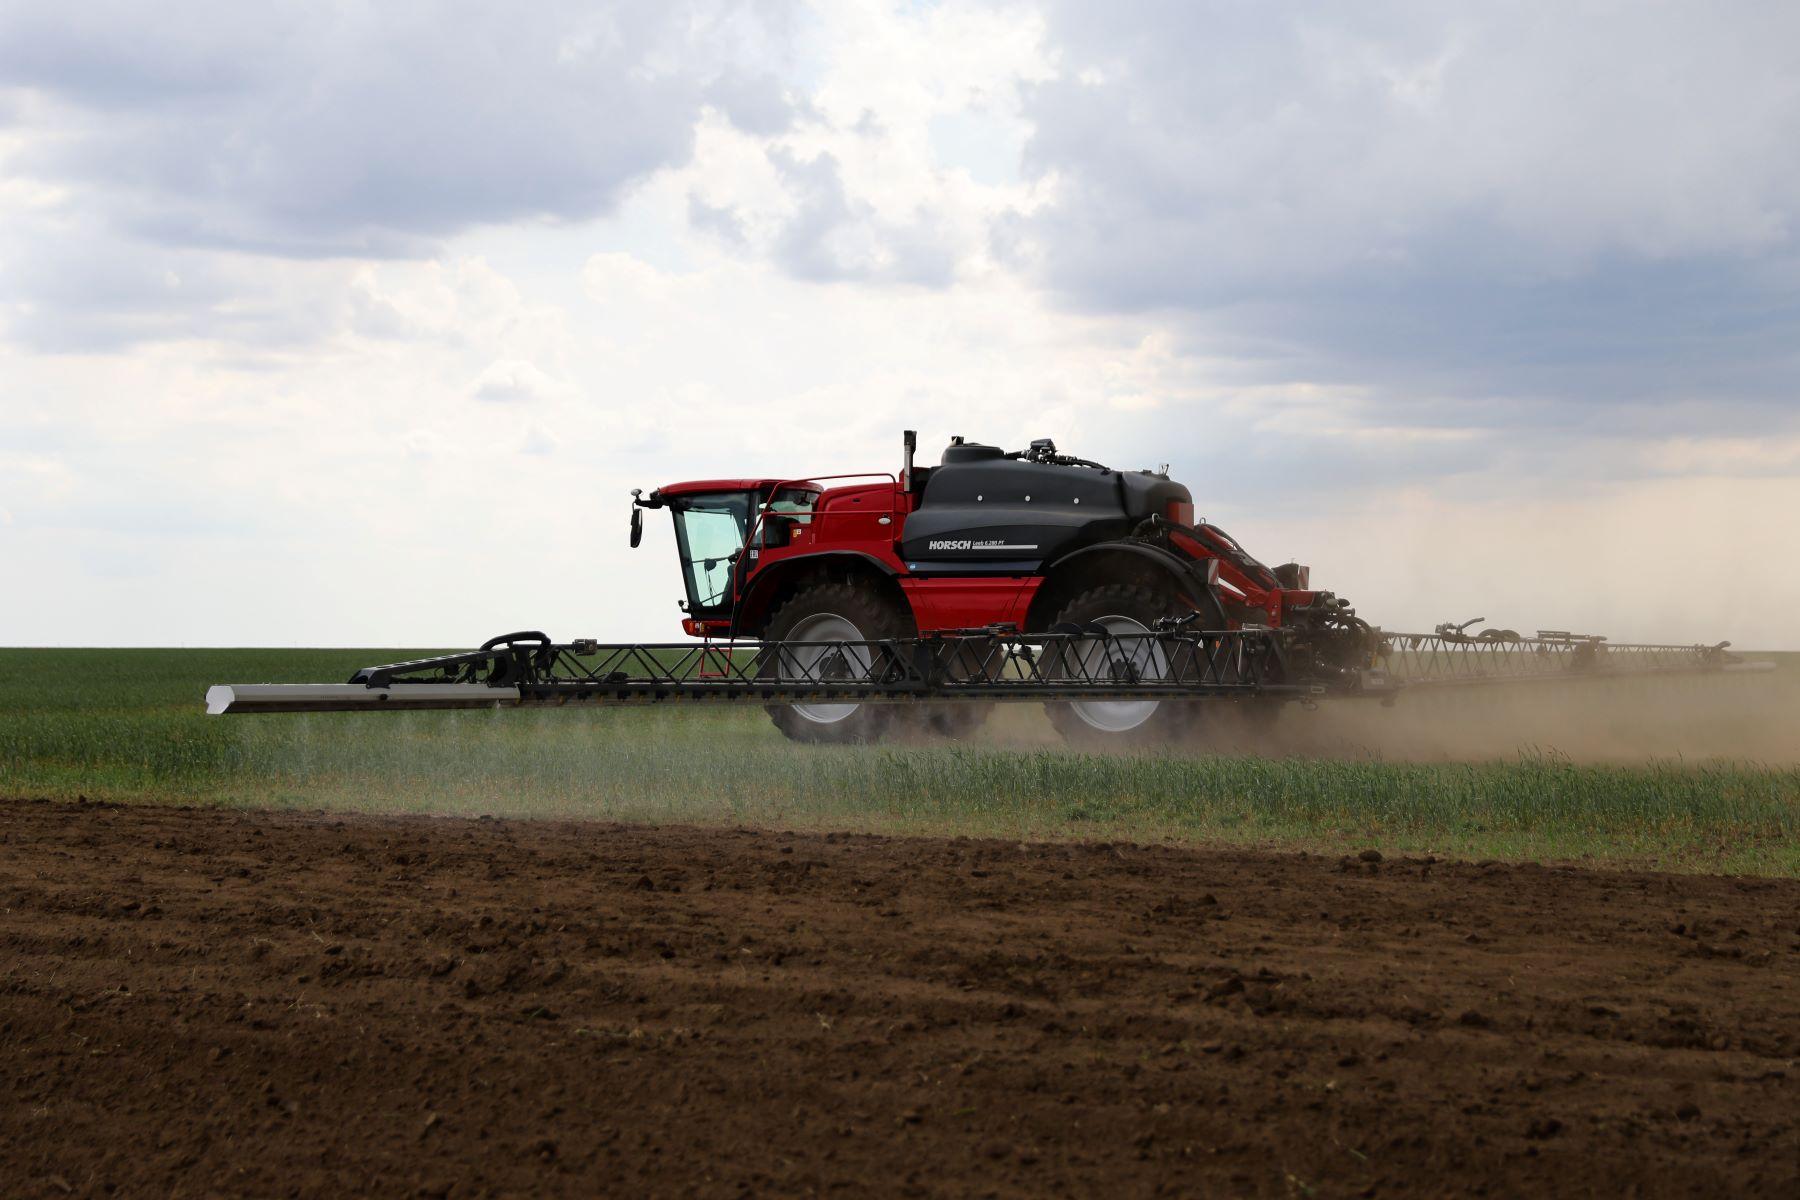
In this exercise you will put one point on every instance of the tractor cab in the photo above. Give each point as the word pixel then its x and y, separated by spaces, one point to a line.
pixel 714 521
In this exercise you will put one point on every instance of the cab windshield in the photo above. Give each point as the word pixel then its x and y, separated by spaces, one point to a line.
pixel 709 532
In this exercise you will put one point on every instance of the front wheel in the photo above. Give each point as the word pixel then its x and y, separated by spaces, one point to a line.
pixel 843 612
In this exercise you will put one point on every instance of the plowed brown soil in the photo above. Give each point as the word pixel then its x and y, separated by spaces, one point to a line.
pixel 199 1002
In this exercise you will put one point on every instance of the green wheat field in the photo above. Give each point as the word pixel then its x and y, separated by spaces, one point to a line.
pixel 1689 774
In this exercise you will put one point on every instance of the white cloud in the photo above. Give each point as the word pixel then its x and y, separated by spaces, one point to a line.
pixel 513 381
pixel 1495 204
pixel 1283 142
pixel 161 167
pixel 306 129
pixel 1729 457
pixel 905 150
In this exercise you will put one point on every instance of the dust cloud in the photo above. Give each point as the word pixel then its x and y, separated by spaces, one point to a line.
pixel 1736 717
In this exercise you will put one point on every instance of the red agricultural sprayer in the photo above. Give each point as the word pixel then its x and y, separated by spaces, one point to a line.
pixel 856 606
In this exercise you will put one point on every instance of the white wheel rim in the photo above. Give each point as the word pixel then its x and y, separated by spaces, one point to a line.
pixel 806 663
pixel 1139 658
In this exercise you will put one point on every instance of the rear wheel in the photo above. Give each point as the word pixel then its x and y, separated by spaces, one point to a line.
pixel 849 611
pixel 1128 612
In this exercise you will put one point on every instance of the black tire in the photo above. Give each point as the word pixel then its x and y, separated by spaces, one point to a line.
pixel 865 614
pixel 1129 723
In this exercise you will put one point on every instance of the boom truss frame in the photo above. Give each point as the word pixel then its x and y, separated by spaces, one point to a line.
pixel 995 664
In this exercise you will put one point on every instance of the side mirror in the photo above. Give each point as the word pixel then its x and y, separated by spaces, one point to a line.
pixel 637 526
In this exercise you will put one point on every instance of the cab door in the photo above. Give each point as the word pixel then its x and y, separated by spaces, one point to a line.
pixel 710 529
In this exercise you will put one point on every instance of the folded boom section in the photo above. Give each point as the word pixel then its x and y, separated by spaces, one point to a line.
pixel 1451 657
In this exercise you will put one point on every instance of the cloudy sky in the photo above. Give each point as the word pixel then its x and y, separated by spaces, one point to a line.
pixel 354 324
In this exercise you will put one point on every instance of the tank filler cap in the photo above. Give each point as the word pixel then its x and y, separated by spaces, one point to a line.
pixel 960 451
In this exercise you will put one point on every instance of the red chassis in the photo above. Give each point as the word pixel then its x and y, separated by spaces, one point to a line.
pixel 863 523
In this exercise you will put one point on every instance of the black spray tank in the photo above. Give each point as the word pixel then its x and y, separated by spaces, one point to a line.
pixel 986 513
